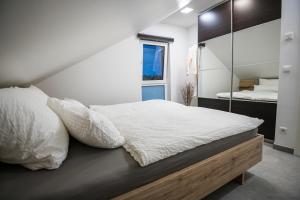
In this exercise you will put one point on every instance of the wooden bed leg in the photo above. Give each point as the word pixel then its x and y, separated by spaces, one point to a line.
pixel 240 179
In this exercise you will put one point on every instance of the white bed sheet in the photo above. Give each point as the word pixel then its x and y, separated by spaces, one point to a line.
pixel 251 95
pixel 158 129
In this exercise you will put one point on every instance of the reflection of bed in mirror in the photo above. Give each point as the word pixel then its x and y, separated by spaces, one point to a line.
pixel 249 90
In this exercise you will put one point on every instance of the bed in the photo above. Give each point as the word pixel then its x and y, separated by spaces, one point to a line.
pixel 91 173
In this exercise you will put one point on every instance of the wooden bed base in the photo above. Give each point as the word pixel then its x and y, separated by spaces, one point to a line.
pixel 204 177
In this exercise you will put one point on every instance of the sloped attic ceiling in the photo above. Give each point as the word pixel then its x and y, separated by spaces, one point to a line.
pixel 41 37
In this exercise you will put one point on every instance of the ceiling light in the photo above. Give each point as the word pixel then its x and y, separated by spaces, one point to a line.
pixel 186 10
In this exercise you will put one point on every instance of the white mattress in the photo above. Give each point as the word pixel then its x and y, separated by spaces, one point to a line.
pixel 158 129
pixel 251 95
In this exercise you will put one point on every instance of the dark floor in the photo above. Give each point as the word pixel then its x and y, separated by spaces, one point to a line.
pixel 277 177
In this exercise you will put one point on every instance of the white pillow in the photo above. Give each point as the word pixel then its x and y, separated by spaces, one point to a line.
pixel 269 82
pixel 73 101
pixel 87 126
pixel 31 134
pixel 265 88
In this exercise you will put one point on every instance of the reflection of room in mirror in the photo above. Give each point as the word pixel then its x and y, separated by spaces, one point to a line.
pixel 256 56
pixel 239 61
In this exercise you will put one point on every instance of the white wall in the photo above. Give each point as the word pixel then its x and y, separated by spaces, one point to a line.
pixel 193 35
pixel 288 107
pixel 110 76
pixel 114 75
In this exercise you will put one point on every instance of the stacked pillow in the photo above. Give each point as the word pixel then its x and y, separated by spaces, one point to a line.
pixel 270 85
pixel 265 88
pixel 269 82
pixel 31 134
pixel 87 126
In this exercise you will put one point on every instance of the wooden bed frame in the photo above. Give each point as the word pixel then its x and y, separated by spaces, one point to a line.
pixel 204 177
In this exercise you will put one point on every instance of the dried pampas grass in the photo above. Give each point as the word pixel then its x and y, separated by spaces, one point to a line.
pixel 187 93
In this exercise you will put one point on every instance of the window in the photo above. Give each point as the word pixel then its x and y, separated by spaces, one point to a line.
pixel 154 84
pixel 153 62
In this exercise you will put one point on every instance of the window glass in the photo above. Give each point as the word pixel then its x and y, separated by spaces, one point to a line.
pixel 153 92
pixel 153 62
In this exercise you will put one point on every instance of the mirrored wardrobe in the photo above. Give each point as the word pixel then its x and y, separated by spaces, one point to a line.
pixel 239 46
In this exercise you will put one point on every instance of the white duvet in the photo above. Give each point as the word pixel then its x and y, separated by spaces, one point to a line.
pixel 251 95
pixel 158 129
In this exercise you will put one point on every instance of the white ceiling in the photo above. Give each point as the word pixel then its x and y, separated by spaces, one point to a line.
pixel 187 20
pixel 41 37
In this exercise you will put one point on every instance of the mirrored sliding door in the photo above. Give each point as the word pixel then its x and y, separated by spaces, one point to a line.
pixel 215 57
pixel 239 42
